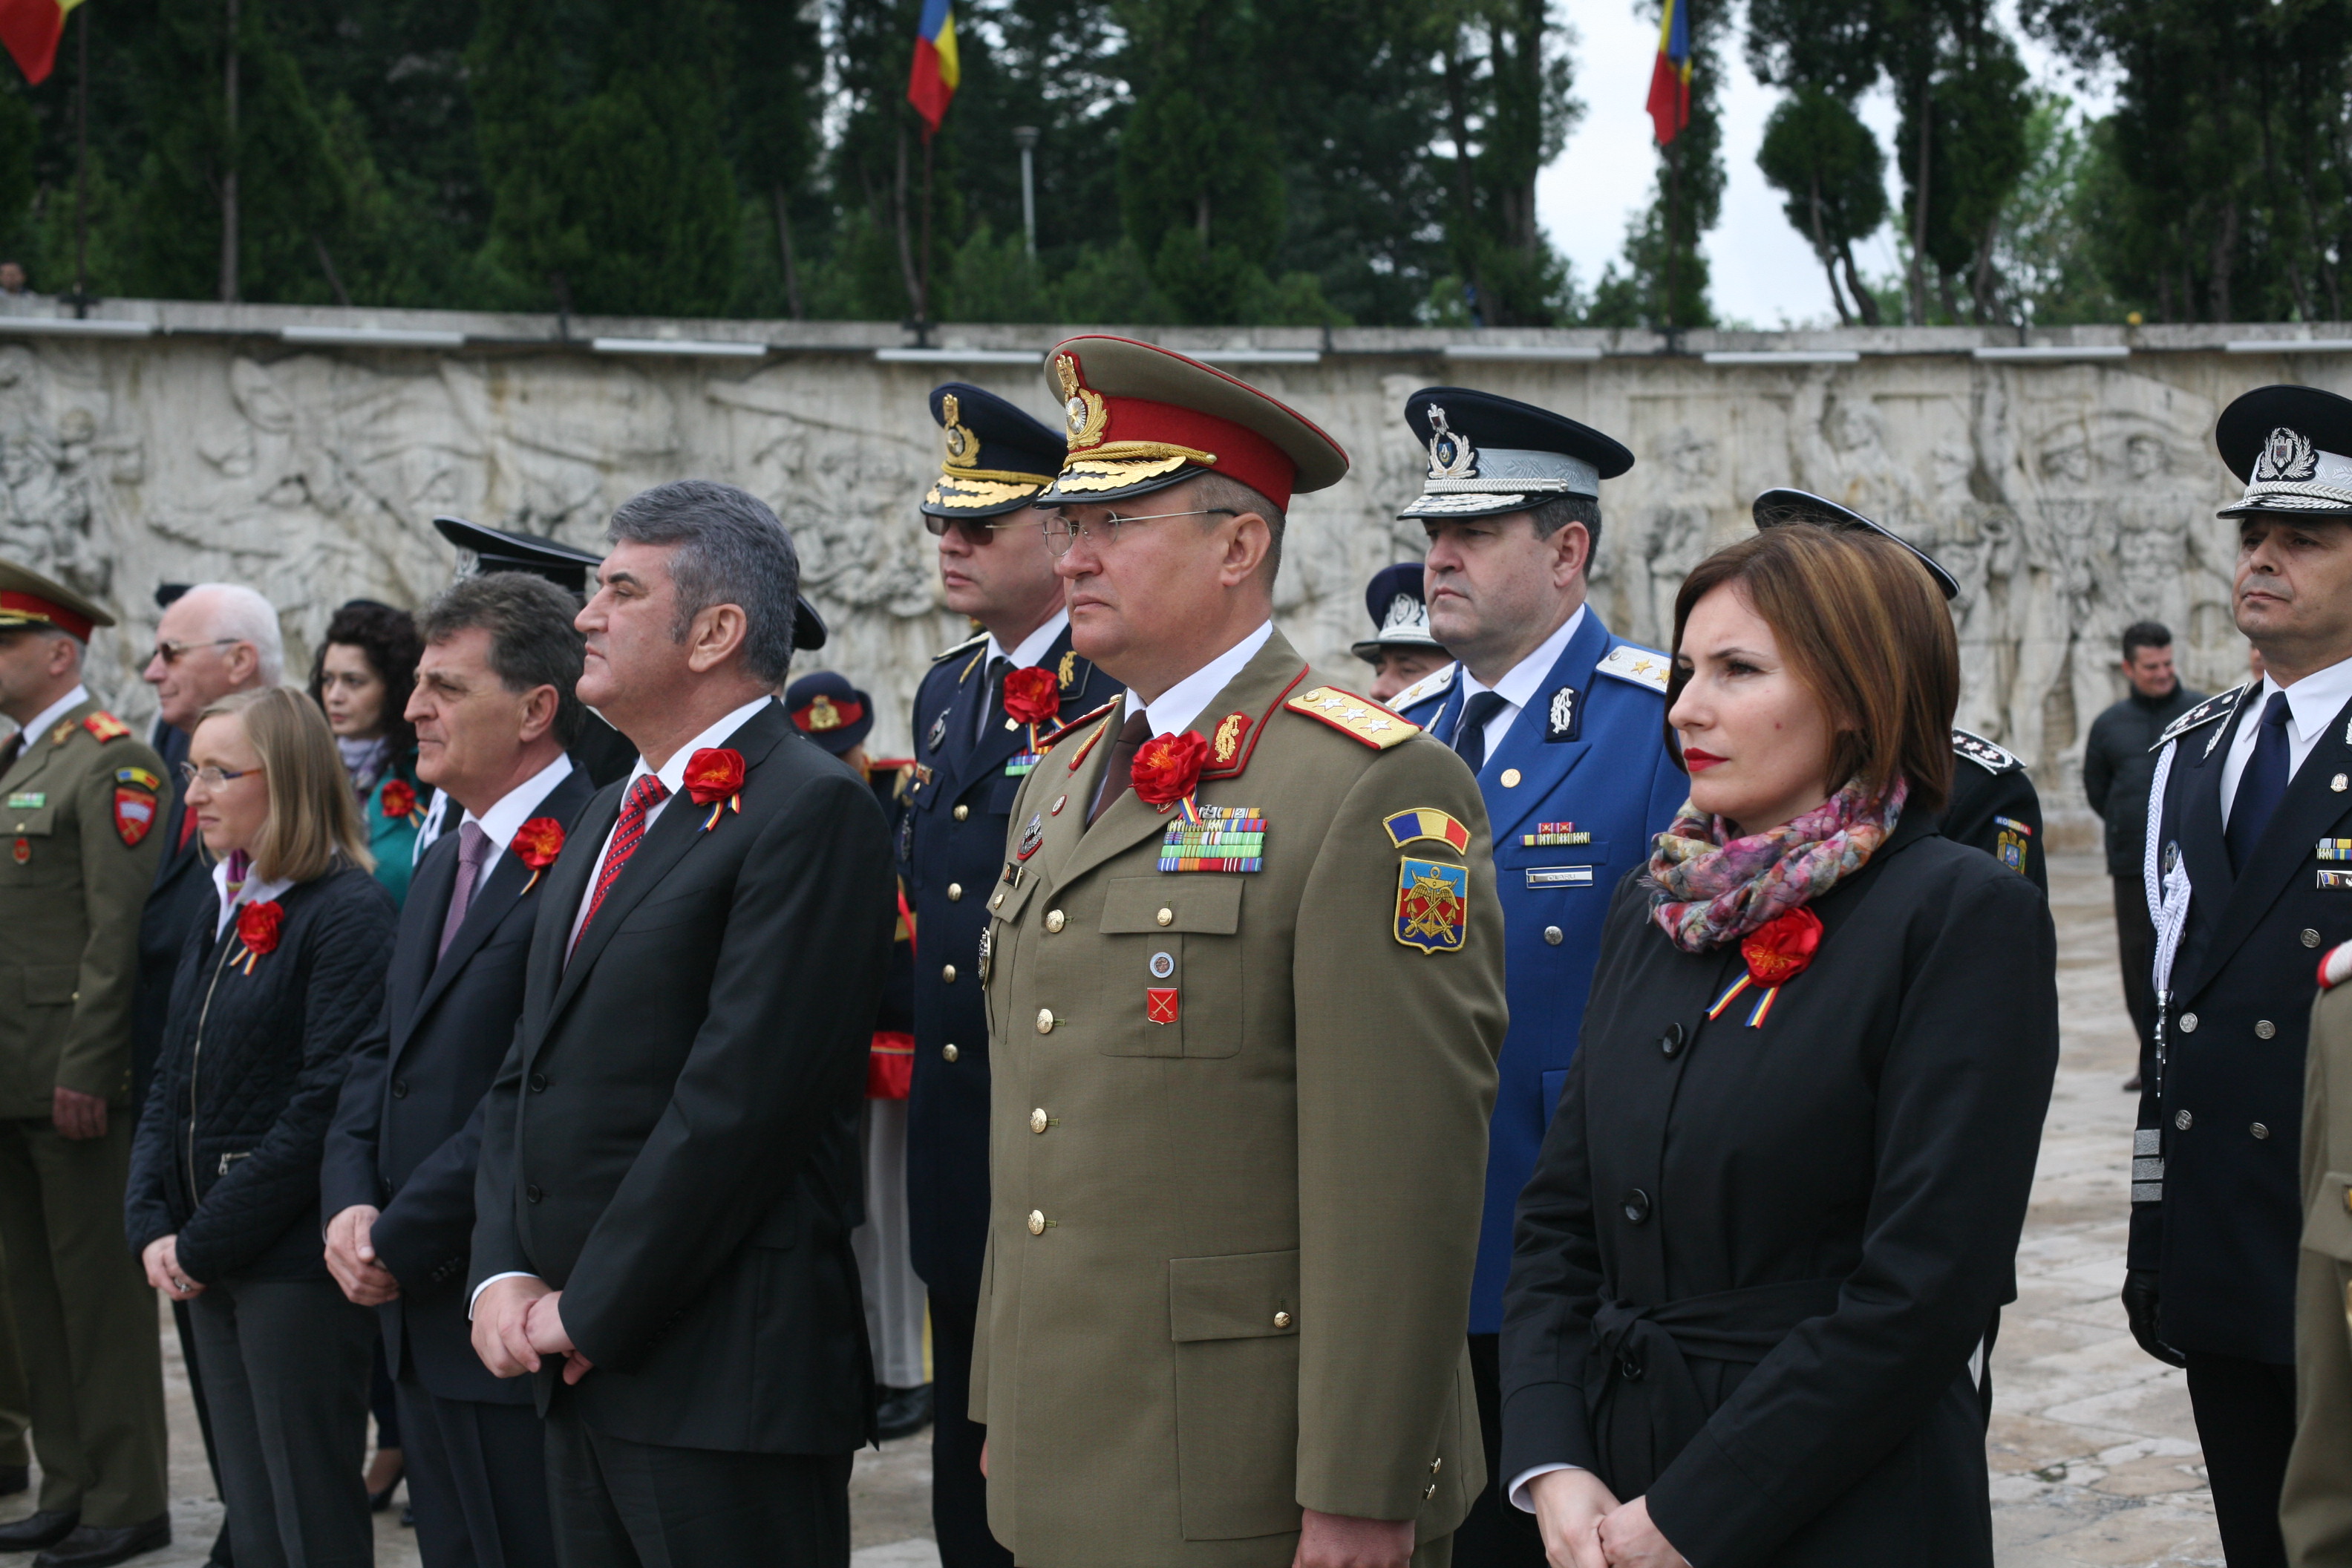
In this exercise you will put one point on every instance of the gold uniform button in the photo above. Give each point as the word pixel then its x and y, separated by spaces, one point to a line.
pixel 955 892
pixel 949 1052
pixel 1055 919
pixel 1165 917
pixel 961 812
pixel 997 902
pixel 1429 1491
pixel 1045 1020
pixel 1038 1120
pixel 947 972
pixel 1282 1319
pixel 1036 1222
pixel 1510 778
pixel 1436 1464
pixel 2265 1029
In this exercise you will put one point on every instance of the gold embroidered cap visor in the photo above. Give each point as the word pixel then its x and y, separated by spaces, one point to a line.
pixel 994 458
pixel 2290 446
pixel 1140 417
pixel 29 599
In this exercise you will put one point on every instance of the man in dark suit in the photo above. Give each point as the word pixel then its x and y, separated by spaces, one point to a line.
pixel 2249 863
pixel 971 754
pixel 495 710
pixel 669 1164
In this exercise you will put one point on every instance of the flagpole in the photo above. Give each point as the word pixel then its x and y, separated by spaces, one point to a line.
pixel 1674 230
pixel 81 165
pixel 923 302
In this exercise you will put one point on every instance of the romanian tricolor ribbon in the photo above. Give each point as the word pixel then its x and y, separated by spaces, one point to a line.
pixel 1763 1004
pixel 30 29
pixel 932 80
pixel 1670 78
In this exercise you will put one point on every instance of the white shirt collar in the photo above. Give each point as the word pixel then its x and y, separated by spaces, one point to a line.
pixel 255 891
pixel 2314 699
pixel 1176 708
pixel 1032 646
pixel 672 771
pixel 514 807
pixel 55 711
pixel 1518 686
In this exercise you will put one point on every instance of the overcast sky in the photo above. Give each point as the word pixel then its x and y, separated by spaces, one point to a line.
pixel 1763 272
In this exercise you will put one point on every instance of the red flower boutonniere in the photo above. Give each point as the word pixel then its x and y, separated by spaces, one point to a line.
pixel 256 928
pixel 1032 696
pixel 536 843
pixel 1168 767
pixel 714 777
pixel 1776 952
pixel 398 800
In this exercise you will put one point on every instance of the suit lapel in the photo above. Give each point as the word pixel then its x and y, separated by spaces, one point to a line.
pixel 964 740
pixel 410 985
pixel 1543 764
pixel 567 884
pixel 495 899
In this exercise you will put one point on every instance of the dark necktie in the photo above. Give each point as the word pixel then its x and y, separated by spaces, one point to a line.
pixel 992 695
pixel 8 751
pixel 627 833
pixel 2261 787
pixel 1470 734
pixel 1119 770
pixel 474 849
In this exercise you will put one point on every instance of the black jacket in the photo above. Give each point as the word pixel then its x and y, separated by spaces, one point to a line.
pixel 182 895
pixel 673 1140
pixel 1995 807
pixel 407 1132
pixel 1753 1262
pixel 2119 763
pixel 950 848
pixel 2216 1187
pixel 228 1152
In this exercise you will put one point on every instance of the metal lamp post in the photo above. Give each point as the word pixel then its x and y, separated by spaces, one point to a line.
pixel 1025 138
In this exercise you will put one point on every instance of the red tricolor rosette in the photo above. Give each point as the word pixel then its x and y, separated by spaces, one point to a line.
pixel 1779 950
pixel 257 929
pixel 1032 696
pixel 536 843
pixel 714 777
pixel 399 801
pixel 1168 767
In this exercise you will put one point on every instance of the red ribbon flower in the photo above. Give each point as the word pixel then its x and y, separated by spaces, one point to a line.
pixel 714 777
pixel 536 843
pixel 399 801
pixel 1032 696
pixel 256 928
pixel 1168 767
pixel 1779 950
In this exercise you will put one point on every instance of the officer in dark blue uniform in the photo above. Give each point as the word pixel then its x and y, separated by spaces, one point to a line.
pixel 2249 870
pixel 1400 650
pixel 1565 726
pixel 1994 806
pixel 977 718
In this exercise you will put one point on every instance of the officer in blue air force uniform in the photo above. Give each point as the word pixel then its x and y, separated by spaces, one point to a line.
pixel 974 741
pixel 1564 725
pixel 2249 863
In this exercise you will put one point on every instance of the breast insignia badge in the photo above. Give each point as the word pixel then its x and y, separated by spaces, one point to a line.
pixel 1433 911
pixel 939 732
pixel 1032 837
pixel 1159 1004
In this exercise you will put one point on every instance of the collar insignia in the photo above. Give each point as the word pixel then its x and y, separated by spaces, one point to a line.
pixel 1566 717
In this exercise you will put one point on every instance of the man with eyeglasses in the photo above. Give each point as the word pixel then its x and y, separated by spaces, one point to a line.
pixel 1245 980
pixel 79 800
pixel 977 718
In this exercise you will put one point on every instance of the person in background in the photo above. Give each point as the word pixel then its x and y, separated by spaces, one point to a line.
pixel 82 795
pixel 1400 650
pixel 839 717
pixel 495 712
pixel 1781 1197
pixel 2118 764
pixel 273 992
pixel 365 668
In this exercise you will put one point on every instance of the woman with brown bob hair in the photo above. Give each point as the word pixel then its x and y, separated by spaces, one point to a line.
pixel 1778 1205
pixel 273 990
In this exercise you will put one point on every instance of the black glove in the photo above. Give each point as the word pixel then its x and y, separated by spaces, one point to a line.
pixel 2139 1309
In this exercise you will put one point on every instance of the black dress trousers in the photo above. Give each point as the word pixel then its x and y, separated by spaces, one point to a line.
pixel 958 1494
pixel 477 1478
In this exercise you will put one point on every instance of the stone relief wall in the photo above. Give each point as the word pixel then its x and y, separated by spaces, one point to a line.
pixel 2069 499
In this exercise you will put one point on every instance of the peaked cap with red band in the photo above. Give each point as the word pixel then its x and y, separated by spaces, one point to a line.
pixel 29 599
pixel 1140 417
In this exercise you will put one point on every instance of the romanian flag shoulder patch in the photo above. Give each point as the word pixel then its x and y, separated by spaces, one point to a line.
pixel 1427 822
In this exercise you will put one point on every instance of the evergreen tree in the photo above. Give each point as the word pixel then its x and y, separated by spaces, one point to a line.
pixel 1819 153
pixel 1666 276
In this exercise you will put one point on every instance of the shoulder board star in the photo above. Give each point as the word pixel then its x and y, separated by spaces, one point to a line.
pixel 1639 665
pixel 966 646
pixel 1984 753
pixel 1359 718
pixel 1436 683
pixel 1047 740
pixel 2212 708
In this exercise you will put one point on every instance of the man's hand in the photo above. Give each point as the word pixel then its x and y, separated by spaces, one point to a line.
pixel 1570 1507
pixel 2139 1312
pixel 161 1258
pixel 1335 1541
pixel 351 1257
pixel 499 1314
pixel 79 1116
pixel 543 1327
pixel 1632 1541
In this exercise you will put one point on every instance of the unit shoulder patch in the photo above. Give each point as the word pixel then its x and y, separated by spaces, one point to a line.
pixel 1047 740
pixel 966 646
pixel 1359 718
pixel 2205 712
pixel 1436 683
pixel 105 726
pixel 1641 666
pixel 1984 753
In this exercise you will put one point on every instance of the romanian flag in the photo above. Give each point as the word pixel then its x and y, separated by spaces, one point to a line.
pixel 1670 78
pixel 933 80
pixel 31 29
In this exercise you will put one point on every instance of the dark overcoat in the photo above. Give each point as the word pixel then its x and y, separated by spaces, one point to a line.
pixel 1755 1261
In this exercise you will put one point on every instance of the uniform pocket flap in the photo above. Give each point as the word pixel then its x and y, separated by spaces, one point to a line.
pixel 1004 903
pixel 1201 902
pixel 2327 1228
pixel 50 984
pixel 29 822
pixel 1240 1296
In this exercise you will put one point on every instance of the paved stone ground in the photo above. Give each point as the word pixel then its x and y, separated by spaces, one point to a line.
pixel 2094 1456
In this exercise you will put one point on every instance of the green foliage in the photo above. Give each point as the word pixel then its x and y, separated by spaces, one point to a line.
pixel 1665 272
pixel 1819 153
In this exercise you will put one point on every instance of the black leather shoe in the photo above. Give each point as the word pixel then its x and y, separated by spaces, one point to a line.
pixel 87 1546
pixel 14 1479
pixel 903 1411
pixel 36 1530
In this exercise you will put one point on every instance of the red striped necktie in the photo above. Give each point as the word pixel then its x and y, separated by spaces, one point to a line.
pixel 627 833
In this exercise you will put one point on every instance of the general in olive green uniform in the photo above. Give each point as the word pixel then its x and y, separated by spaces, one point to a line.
pixel 1243 1053
pixel 81 802
pixel 2316 1510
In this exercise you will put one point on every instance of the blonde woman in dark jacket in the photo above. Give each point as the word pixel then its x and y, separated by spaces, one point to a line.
pixel 273 990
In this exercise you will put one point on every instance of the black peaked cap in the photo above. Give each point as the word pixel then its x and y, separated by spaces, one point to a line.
pixel 995 457
pixel 1774 508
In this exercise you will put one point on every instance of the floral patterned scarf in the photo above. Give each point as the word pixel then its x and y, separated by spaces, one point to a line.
pixel 1708 889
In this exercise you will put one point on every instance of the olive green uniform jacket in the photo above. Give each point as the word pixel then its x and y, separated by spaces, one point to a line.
pixel 81 816
pixel 2316 1510
pixel 1229 1254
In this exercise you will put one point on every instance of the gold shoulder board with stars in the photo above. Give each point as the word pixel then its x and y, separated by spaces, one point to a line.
pixel 1047 740
pixel 1359 718
pixel 1638 664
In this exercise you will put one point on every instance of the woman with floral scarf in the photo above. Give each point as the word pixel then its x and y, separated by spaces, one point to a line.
pixel 1777 1206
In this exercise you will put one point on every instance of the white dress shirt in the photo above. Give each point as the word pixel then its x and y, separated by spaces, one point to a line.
pixel 253 890
pixel 1176 708
pixel 503 820
pixel 2311 702
pixel 1518 688
pixel 1033 648
pixel 53 712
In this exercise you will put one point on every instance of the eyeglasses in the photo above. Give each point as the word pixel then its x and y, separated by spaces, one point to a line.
pixel 192 775
pixel 169 652
pixel 976 528
pixel 1061 530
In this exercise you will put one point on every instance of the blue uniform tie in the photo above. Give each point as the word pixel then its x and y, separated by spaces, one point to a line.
pixel 2261 787
pixel 1470 734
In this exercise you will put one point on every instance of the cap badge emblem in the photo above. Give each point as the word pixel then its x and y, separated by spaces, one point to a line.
pixel 963 445
pixel 822 715
pixel 1406 613
pixel 2287 456
pixel 1083 410
pixel 1451 456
